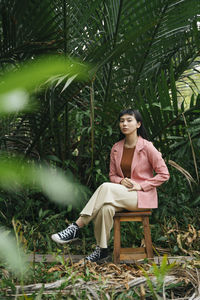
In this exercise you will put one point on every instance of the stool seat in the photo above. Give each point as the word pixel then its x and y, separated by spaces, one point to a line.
pixel 132 253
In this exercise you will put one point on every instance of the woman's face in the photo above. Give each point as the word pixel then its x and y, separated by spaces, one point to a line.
pixel 128 124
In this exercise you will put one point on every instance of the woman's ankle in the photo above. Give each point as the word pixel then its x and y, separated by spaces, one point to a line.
pixel 79 223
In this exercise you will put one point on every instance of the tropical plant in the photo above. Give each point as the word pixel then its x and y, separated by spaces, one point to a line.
pixel 138 49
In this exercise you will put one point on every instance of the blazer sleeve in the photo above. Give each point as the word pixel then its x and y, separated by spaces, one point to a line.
pixel 158 165
pixel 113 175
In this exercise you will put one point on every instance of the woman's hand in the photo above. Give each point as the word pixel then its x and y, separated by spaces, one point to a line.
pixel 127 183
pixel 135 186
pixel 131 184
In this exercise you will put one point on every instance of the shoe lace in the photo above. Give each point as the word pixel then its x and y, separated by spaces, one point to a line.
pixel 94 255
pixel 70 230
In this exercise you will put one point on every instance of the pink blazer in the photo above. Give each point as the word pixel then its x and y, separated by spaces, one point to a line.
pixel 146 160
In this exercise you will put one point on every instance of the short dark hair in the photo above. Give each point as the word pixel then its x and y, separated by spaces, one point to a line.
pixel 141 131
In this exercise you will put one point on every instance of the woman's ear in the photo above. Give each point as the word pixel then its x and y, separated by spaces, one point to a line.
pixel 138 124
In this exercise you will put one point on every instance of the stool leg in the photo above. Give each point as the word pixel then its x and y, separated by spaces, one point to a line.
pixel 117 241
pixel 147 237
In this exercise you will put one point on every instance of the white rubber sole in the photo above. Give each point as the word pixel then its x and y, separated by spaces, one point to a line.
pixel 100 261
pixel 56 239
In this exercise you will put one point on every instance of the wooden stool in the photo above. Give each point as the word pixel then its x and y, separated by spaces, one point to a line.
pixel 132 253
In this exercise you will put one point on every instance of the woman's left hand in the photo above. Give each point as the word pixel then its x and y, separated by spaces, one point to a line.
pixel 135 187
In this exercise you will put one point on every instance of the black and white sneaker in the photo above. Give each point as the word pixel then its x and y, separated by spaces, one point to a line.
pixel 99 255
pixel 71 233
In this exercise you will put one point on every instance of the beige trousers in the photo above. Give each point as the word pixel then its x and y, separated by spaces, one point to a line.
pixel 107 199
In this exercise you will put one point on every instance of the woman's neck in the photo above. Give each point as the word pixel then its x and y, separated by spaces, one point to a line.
pixel 130 141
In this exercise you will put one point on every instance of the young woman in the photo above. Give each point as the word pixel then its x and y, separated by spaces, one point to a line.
pixel 133 161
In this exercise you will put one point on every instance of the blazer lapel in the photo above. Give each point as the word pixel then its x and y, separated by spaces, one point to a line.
pixel 136 155
pixel 119 153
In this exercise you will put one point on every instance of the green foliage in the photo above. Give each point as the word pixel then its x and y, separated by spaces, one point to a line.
pixel 138 57
pixel 138 50
pixel 32 74
pixel 160 273
pixel 11 253
pixel 15 173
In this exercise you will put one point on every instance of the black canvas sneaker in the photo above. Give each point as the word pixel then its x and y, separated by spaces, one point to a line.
pixel 99 255
pixel 71 233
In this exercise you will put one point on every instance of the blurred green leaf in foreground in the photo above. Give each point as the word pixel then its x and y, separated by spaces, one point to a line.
pixel 59 188
pixel 15 85
pixel 11 254
pixel 15 173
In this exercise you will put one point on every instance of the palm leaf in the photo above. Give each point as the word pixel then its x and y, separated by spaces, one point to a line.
pixel 139 49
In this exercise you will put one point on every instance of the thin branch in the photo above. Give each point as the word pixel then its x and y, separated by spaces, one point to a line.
pixel 191 144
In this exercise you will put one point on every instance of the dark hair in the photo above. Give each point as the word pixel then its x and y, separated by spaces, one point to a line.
pixel 141 131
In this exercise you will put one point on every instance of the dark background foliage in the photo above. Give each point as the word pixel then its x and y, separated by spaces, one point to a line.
pixel 139 50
